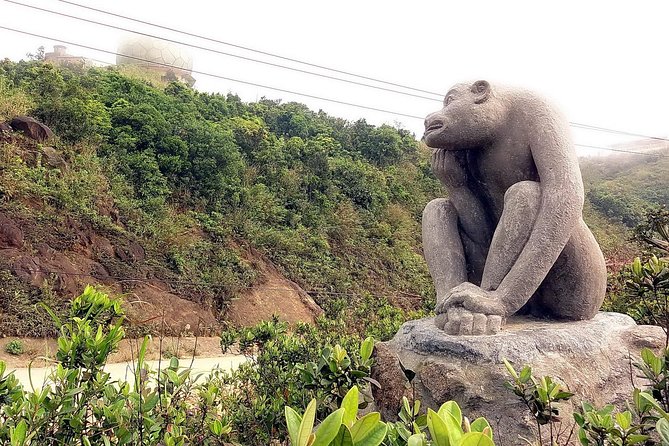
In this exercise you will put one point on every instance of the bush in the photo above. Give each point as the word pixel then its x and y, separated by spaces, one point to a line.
pixel 15 347
pixel 290 368
pixel 80 405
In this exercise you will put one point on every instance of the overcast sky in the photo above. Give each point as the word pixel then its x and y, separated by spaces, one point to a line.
pixel 604 63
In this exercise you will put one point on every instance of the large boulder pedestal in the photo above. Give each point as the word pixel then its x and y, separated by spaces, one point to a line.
pixel 593 358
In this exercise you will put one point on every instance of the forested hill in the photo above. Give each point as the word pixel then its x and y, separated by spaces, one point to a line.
pixel 204 198
pixel 624 186
pixel 200 208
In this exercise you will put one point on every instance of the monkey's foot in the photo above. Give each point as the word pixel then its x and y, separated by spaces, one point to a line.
pixel 459 321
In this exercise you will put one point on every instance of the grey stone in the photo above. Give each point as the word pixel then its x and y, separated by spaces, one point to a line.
pixel 591 357
pixel 53 158
pixel 510 238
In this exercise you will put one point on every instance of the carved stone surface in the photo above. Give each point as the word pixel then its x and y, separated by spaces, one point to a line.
pixel 592 357
pixel 510 238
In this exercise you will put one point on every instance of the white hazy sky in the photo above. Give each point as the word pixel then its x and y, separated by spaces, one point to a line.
pixel 604 63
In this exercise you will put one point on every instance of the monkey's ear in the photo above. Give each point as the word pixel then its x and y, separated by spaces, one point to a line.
pixel 481 90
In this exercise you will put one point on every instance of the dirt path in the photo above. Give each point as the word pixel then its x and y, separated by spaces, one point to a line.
pixel 39 356
pixel 36 349
pixel 125 370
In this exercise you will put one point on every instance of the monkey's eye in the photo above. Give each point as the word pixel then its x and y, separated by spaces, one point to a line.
pixel 448 99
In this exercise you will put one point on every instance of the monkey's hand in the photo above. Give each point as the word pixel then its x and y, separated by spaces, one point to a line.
pixel 470 310
pixel 448 167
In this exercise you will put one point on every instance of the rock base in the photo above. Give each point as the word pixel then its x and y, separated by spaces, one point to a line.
pixel 593 358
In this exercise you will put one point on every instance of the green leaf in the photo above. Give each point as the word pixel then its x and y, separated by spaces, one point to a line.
pixel 216 427
pixel 624 420
pixel 649 398
pixel 438 429
pixel 583 437
pixel 416 440
pixel 307 424
pixel 373 437
pixel 329 428
pixel 343 438
pixel 293 421
pixel 366 349
pixel 480 425
pixel 647 355
pixel 364 426
pixel 452 408
pixel 662 427
pixel 17 435
pixel 510 369
pixel 475 439
pixel 350 406
pixel 638 438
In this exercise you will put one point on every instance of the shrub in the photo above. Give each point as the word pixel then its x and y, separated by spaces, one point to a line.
pixel 343 427
pixel 14 347
pixel 80 405
pixel 13 101
pixel 290 368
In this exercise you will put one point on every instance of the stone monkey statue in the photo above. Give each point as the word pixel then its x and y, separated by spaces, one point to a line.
pixel 510 238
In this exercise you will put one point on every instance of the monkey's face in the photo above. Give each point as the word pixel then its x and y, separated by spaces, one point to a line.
pixel 469 118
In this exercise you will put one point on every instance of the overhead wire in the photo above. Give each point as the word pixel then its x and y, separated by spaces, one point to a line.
pixel 574 124
pixel 246 48
pixel 337 101
pixel 224 53
pixel 218 76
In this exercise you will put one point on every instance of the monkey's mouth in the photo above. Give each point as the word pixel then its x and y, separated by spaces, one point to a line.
pixel 432 127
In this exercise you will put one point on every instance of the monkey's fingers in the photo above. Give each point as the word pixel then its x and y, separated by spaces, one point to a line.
pixel 440 320
pixel 466 323
pixel 494 324
pixel 479 324
pixel 452 325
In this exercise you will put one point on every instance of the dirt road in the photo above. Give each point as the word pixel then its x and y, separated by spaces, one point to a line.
pixel 125 370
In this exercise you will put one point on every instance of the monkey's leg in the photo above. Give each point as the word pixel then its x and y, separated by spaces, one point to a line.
pixel 521 206
pixel 576 285
pixel 442 246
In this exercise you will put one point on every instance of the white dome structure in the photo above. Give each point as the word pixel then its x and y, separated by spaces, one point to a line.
pixel 156 55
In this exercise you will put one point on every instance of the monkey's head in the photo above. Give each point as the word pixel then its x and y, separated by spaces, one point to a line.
pixel 470 118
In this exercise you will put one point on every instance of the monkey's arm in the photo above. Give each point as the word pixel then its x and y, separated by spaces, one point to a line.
pixel 560 207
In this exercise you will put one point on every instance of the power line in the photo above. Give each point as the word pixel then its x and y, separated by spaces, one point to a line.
pixel 621 132
pixel 213 50
pixel 234 45
pixel 657 155
pixel 336 101
pixel 573 124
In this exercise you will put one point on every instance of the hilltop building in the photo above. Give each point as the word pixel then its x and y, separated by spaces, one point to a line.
pixel 172 62
pixel 60 57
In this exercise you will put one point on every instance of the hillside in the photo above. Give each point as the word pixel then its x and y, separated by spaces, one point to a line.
pixel 202 209
pixel 190 203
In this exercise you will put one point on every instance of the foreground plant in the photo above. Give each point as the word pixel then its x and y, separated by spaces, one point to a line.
pixel 79 404
pixel 540 396
pixel 446 427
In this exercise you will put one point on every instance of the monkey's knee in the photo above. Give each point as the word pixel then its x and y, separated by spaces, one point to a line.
pixel 523 192
pixel 439 210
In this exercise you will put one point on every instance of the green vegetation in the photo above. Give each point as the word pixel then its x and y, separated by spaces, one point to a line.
pixel 15 347
pixel 80 405
pixel 287 367
pixel 335 205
